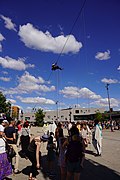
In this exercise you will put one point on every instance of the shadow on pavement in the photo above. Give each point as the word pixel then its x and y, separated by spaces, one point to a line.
pixel 26 170
pixel 92 171
pixel 45 171
pixel 95 171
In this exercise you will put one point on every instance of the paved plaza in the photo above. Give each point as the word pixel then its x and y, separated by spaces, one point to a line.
pixel 106 167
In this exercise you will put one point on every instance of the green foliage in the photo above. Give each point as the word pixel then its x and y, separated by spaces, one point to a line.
pixel 99 116
pixel 39 117
pixel 5 106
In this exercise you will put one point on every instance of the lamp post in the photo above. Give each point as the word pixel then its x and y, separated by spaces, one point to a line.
pixel 57 109
pixel 70 114
pixel 107 85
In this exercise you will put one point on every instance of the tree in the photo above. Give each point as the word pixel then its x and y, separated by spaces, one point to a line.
pixel 39 117
pixel 5 106
pixel 98 116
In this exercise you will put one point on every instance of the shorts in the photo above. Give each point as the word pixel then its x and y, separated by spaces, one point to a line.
pixel 74 167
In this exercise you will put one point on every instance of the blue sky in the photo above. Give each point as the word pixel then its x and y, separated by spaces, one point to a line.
pixel 35 34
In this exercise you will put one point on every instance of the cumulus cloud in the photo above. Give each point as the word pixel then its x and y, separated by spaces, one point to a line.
pixel 8 23
pixel 103 55
pixel 5 72
pixel 28 83
pixel 44 41
pixel 5 79
pixel 118 68
pixel 11 63
pixel 31 79
pixel 12 101
pixel 1 39
pixel 36 100
pixel 109 81
pixel 104 102
pixel 74 92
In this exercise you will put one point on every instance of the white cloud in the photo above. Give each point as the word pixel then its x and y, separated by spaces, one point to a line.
pixel 118 68
pixel 1 39
pixel 103 55
pixel 28 84
pixel 36 39
pixel 104 102
pixel 109 81
pixel 5 79
pixel 5 72
pixel 0 47
pixel 11 63
pixel 12 101
pixel 31 79
pixel 36 100
pixel 8 23
pixel 74 92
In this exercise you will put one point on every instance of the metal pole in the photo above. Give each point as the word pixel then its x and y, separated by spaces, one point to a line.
pixel 107 85
pixel 57 109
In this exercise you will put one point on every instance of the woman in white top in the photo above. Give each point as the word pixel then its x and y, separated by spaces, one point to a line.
pixel 5 166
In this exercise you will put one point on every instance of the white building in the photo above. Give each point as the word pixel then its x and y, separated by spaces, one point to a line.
pixel 29 116
pixel 72 114
pixel 69 114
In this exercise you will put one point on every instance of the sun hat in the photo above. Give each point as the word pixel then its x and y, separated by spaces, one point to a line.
pixel 45 137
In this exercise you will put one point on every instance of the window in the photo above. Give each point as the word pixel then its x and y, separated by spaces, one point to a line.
pixel 62 117
pixel 48 117
pixel 77 111
pixel 27 118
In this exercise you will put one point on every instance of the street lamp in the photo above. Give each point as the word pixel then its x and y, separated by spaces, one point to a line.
pixel 107 85
pixel 57 109
pixel 70 114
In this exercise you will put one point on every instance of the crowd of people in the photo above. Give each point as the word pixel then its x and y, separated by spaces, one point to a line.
pixel 12 135
pixel 68 150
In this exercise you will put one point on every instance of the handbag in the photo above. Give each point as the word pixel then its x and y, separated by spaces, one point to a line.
pixel 9 149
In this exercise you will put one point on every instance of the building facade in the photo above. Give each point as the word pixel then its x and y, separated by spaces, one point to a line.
pixel 63 115
pixel 28 116
pixel 15 112
pixel 73 114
